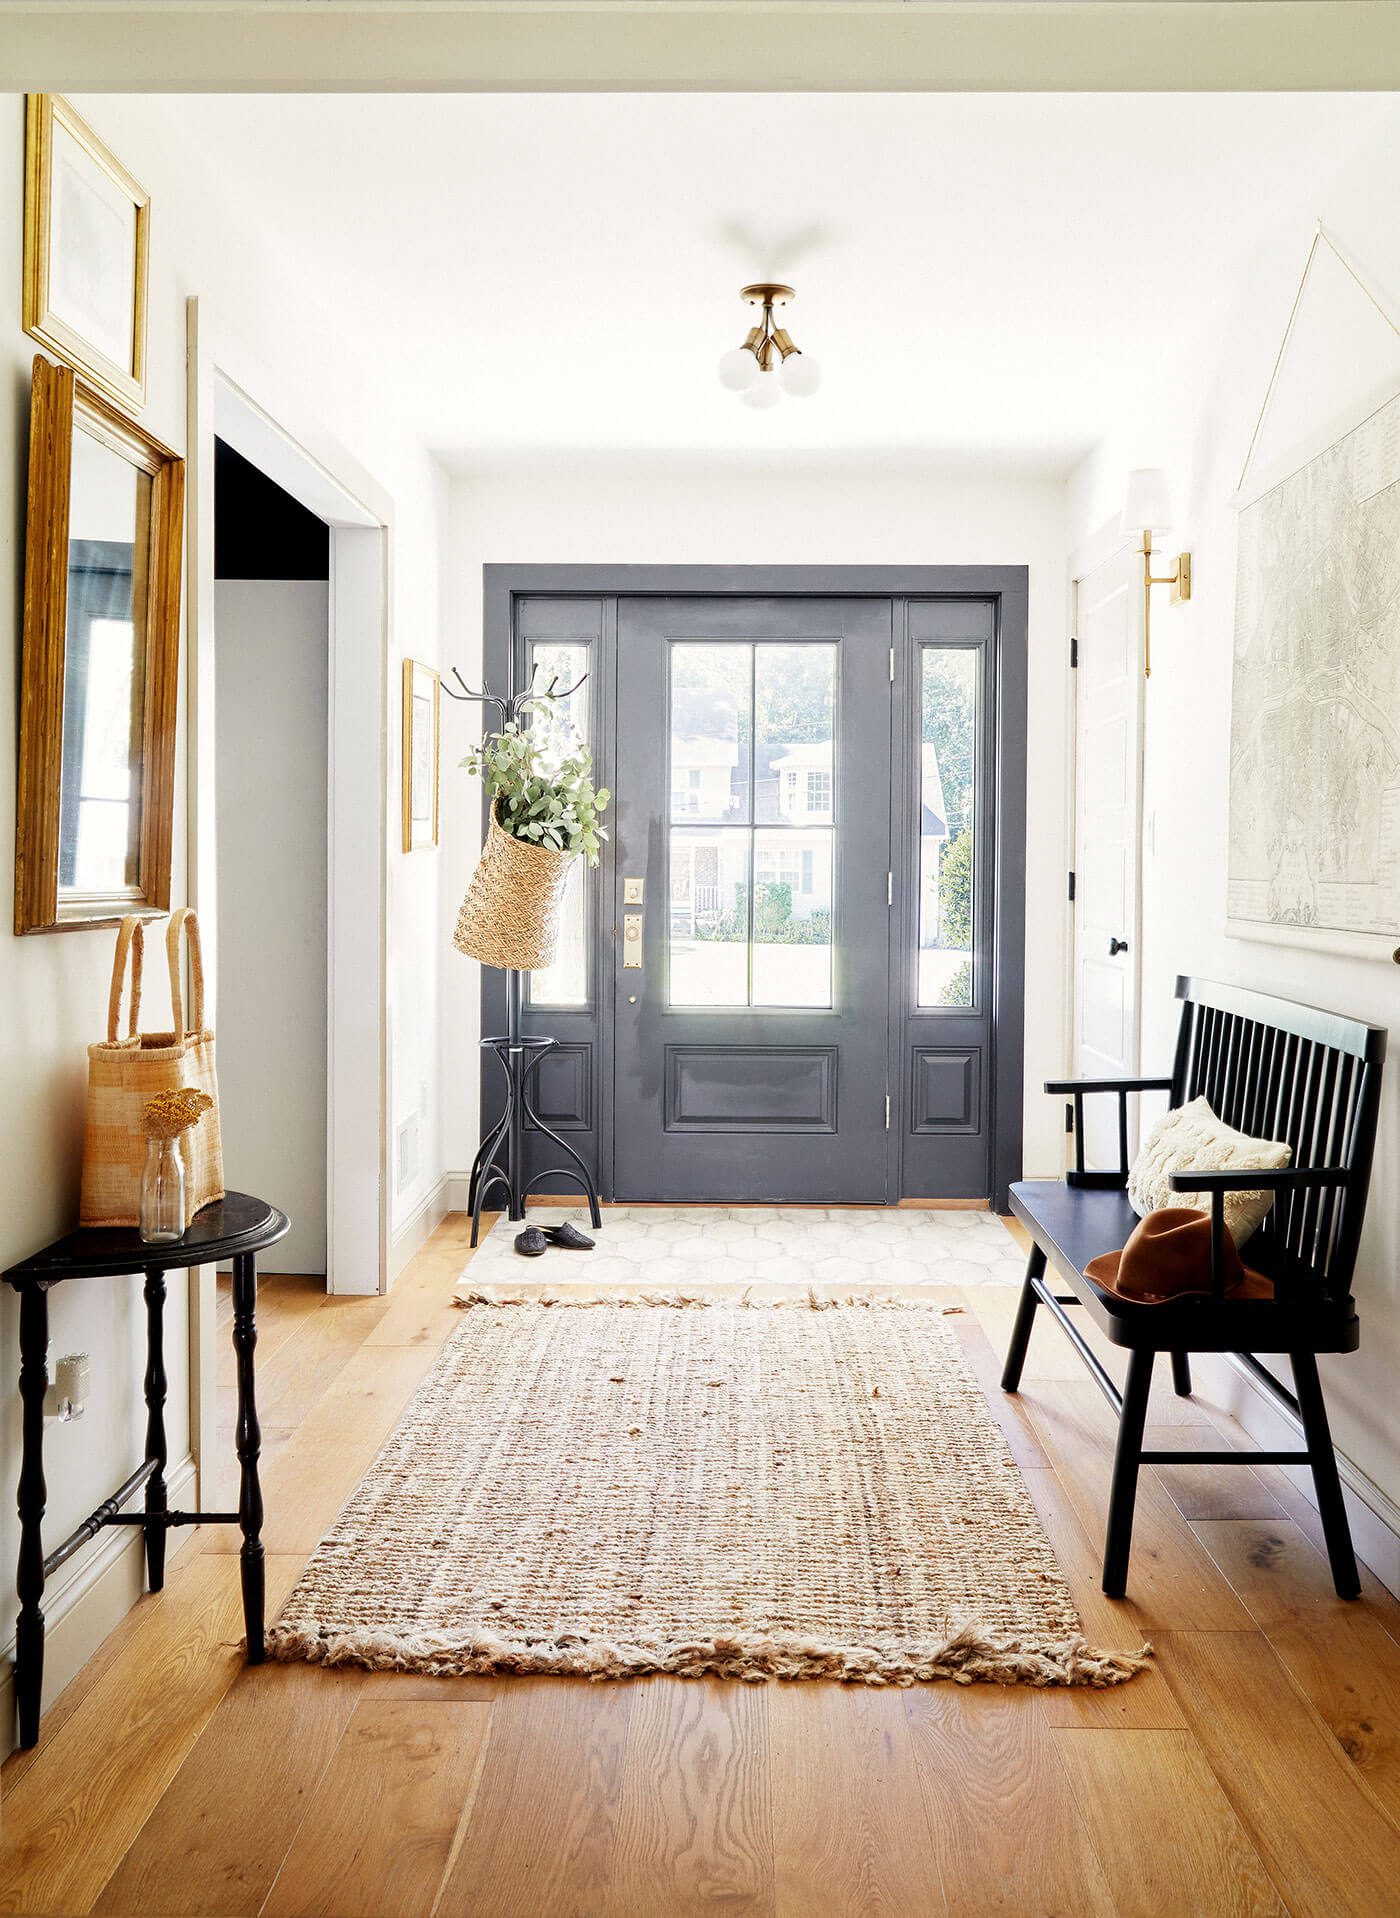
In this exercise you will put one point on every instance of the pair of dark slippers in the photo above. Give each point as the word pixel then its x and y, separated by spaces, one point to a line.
pixel 536 1239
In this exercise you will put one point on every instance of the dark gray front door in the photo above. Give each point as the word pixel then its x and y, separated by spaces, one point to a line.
pixel 819 777
pixel 752 766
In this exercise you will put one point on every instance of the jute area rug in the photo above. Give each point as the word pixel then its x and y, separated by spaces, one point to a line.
pixel 795 1489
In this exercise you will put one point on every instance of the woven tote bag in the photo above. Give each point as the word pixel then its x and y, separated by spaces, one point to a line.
pixel 510 916
pixel 124 1073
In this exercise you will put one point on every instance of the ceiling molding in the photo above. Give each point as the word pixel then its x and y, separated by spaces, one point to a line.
pixel 704 46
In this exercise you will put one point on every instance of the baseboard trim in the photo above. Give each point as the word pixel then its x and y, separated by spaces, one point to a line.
pixel 1373 1514
pixel 421 1223
pixel 458 1184
pixel 943 1205
pixel 90 1604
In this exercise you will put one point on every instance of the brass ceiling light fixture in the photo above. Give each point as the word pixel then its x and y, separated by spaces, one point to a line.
pixel 768 359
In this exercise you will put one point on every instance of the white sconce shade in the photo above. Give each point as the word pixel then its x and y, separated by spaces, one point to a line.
pixel 1148 507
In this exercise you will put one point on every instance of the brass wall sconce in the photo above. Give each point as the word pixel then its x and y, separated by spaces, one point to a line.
pixel 1148 511
pixel 768 350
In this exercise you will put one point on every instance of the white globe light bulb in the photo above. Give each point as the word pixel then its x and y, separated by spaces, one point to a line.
pixel 737 370
pixel 763 393
pixel 800 375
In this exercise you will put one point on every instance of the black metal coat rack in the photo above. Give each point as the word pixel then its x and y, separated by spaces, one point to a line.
pixel 500 1158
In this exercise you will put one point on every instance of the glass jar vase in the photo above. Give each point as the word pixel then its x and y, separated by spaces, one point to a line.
pixel 163 1193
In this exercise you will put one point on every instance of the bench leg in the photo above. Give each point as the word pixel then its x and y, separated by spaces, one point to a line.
pixel 1181 1374
pixel 1025 1319
pixel 1126 1460
pixel 1308 1387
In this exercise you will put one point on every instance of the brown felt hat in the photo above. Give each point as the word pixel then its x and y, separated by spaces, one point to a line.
pixel 1168 1257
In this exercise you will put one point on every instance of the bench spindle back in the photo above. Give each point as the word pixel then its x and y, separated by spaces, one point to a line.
pixel 1284 1071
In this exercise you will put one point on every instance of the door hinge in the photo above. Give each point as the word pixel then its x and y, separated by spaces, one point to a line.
pixel 887 1112
pixel 1069 1115
pixel 889 888
pixel 1071 887
pixel 891 665
pixel 1073 651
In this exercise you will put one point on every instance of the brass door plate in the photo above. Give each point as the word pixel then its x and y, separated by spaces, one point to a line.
pixel 633 891
pixel 631 940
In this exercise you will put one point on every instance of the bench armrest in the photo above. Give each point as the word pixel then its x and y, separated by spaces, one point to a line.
pixel 1108 1085
pixel 1260 1179
pixel 1079 1090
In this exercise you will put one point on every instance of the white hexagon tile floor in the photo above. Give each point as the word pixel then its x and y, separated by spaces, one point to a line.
pixel 672 1248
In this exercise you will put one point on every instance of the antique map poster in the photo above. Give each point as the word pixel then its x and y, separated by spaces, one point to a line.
pixel 1314 853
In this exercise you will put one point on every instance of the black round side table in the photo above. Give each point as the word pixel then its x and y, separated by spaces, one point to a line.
pixel 234 1228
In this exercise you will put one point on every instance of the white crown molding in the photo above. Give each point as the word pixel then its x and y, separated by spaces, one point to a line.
pixel 845 46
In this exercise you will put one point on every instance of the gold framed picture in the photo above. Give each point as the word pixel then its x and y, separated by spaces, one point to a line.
pixel 421 710
pixel 86 244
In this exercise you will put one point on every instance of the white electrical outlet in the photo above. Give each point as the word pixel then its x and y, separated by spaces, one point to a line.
pixel 67 1396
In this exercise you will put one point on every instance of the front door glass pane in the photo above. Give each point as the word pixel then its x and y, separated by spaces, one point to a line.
pixel 711 727
pixel 709 918
pixel 794 706
pixel 752 751
pixel 561 664
pixel 792 918
pixel 947 820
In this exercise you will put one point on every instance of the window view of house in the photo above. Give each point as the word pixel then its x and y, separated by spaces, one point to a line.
pixel 751 756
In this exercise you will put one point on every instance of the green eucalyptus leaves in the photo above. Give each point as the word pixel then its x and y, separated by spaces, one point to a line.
pixel 540 778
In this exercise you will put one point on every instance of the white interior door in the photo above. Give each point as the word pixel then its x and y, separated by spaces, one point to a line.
pixel 1107 840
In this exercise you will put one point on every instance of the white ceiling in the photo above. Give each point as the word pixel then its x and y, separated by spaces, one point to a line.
pixel 986 276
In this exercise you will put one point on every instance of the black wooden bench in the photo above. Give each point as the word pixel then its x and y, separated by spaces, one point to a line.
pixel 1275 1070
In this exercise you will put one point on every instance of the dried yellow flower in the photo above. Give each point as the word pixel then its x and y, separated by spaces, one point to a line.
pixel 169 1114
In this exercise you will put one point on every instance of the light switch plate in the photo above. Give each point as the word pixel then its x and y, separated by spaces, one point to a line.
pixel 633 891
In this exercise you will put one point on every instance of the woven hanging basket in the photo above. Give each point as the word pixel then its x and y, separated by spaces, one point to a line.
pixel 510 916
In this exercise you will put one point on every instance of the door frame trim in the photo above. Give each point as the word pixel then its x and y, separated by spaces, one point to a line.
pixel 1008 586
pixel 1107 544
pixel 234 397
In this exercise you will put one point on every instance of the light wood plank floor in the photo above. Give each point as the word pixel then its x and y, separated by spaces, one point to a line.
pixel 1255 1770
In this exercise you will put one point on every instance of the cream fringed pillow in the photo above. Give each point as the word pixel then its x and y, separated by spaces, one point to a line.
pixel 1192 1139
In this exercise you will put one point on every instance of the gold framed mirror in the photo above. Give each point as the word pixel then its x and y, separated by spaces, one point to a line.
pixel 98 681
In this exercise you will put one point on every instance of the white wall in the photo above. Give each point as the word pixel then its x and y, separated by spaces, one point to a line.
pixel 700 511
pixel 271 664
pixel 56 985
pixel 1197 422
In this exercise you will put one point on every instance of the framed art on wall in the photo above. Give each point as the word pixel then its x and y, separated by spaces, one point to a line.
pixel 421 707
pixel 1314 822
pixel 86 243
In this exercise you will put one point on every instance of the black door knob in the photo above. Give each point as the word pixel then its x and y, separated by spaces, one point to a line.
pixel 1115 946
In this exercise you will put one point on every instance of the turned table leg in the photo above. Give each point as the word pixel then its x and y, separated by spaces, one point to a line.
pixel 29 1581
pixel 157 1501
pixel 249 1444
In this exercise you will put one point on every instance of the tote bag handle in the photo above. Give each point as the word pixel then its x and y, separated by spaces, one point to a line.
pixel 131 939
pixel 184 920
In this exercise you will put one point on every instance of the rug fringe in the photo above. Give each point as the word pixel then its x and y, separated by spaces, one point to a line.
pixel 809 1299
pixel 967 1656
